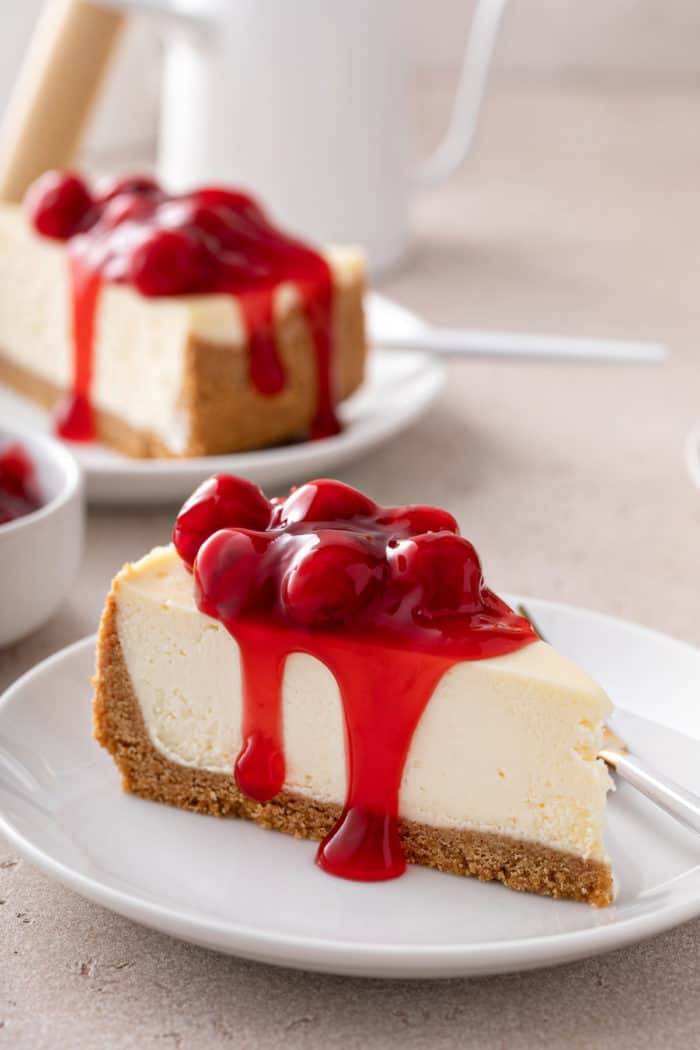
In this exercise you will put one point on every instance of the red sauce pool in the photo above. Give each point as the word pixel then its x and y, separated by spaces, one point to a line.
pixel 388 598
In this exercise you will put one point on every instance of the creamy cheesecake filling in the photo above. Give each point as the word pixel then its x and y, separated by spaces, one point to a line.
pixel 140 344
pixel 506 745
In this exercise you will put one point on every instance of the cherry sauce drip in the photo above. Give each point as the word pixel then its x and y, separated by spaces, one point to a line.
pixel 388 599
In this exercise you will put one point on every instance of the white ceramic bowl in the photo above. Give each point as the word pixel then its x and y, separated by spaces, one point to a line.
pixel 40 553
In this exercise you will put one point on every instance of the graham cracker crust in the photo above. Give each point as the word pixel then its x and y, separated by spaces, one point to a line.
pixel 222 410
pixel 146 772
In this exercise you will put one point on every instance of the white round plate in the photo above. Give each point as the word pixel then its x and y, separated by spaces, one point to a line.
pixel 231 886
pixel 400 386
pixel 692 454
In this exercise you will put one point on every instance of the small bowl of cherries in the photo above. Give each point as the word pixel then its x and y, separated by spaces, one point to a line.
pixel 41 530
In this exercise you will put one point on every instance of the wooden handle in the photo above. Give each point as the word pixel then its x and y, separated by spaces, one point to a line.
pixel 53 95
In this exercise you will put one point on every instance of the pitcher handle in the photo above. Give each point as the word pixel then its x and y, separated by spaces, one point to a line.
pixel 464 118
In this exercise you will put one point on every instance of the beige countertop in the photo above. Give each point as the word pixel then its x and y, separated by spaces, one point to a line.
pixel 578 213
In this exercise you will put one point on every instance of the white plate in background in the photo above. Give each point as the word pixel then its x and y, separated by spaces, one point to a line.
pixel 234 887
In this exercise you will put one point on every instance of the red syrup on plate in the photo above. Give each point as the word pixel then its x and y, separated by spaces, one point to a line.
pixel 387 598
pixel 209 241
pixel 19 491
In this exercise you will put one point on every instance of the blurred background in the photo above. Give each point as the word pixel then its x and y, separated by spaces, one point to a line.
pixel 634 42
pixel 575 213
pixel 634 38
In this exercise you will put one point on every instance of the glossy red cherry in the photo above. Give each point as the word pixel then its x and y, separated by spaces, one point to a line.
pixel 140 185
pixel 228 572
pixel 277 509
pixel 219 197
pixel 125 207
pixel 331 580
pixel 170 262
pixel 57 204
pixel 223 501
pixel 415 520
pixel 216 222
pixel 444 569
pixel 325 500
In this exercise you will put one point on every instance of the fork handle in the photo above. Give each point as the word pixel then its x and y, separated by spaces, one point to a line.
pixel 675 800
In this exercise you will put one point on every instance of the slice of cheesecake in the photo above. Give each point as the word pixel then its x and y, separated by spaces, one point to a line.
pixel 339 671
pixel 174 326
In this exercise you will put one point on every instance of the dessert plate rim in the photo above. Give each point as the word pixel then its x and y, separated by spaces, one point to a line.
pixel 366 958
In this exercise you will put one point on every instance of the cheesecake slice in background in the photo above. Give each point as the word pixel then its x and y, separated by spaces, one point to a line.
pixel 174 325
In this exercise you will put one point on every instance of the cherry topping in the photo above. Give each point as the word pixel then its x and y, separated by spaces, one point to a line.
pixel 220 197
pixel 222 501
pixel 444 568
pixel 139 185
pixel 170 262
pixel 415 520
pixel 325 501
pixel 217 222
pixel 58 203
pixel 227 572
pixel 331 580
pixel 124 207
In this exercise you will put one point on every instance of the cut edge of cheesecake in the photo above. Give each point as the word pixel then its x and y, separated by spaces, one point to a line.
pixel 146 771
pixel 199 365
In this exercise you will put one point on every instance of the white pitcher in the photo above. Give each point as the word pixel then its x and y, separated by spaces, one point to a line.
pixel 303 102
pixel 116 126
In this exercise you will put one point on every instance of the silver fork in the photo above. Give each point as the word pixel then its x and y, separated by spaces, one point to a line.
pixel 675 800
